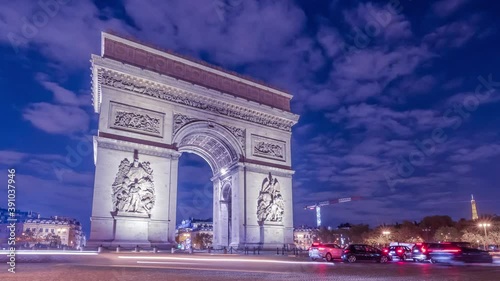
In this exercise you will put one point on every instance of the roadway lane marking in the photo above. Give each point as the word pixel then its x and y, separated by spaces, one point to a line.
pixel 226 260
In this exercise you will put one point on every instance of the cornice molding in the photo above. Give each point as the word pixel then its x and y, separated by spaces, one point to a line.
pixel 105 77
pixel 109 143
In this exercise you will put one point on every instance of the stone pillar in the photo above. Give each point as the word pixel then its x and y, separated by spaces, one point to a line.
pixel 111 226
pixel 276 229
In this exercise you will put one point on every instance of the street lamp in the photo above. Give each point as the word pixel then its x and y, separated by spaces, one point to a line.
pixel 485 225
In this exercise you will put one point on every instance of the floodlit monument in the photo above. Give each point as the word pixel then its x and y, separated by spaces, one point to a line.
pixel 153 106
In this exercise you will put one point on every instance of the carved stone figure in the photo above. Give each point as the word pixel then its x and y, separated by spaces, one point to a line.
pixel 270 203
pixel 133 189
pixel 180 120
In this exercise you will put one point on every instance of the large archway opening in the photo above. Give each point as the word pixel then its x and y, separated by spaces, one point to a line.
pixel 218 147
pixel 194 214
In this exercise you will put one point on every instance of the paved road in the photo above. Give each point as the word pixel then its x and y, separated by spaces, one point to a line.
pixel 151 267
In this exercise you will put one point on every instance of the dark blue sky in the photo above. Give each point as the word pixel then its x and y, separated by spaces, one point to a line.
pixel 399 104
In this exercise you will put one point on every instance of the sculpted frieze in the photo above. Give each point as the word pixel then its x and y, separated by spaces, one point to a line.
pixel 270 203
pixel 173 95
pixel 133 188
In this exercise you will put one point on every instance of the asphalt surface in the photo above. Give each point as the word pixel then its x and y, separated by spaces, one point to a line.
pixel 151 267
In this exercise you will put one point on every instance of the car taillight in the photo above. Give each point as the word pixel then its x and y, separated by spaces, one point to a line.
pixel 386 251
pixel 423 250
pixel 346 251
pixel 400 251
pixel 321 248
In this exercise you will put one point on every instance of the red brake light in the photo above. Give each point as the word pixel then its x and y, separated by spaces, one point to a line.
pixel 346 251
pixel 423 250
pixel 386 250
pixel 400 251
pixel 321 248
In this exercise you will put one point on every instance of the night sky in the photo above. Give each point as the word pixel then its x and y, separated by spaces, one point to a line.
pixel 398 104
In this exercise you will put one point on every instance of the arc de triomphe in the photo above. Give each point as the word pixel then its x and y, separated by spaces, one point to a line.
pixel 153 106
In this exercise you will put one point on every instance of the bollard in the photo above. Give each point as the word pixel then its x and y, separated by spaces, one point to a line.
pixel 155 249
pixel 254 250
pixel 283 251
pixel 277 251
pixel 118 249
pixel 258 250
pixel 190 250
pixel 209 250
pixel 231 248
pixel 172 250
pixel 99 249
pixel 136 249
pixel 225 250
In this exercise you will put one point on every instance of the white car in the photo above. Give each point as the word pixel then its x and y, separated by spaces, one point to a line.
pixel 329 252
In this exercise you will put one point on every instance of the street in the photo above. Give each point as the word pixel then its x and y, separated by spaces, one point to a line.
pixel 151 267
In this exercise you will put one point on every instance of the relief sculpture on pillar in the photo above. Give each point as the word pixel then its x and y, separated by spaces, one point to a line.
pixel 270 204
pixel 133 189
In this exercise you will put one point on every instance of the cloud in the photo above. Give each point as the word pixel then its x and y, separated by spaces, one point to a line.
pixel 67 34
pixel 476 154
pixel 62 95
pixel 379 22
pixel 445 8
pixel 453 35
pixel 57 119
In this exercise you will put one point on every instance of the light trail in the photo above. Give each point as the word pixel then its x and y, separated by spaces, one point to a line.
pixel 223 259
pixel 43 252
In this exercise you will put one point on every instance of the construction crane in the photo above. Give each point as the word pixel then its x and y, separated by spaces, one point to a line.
pixel 318 206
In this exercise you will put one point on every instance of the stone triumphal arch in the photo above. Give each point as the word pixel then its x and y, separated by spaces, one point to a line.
pixel 153 106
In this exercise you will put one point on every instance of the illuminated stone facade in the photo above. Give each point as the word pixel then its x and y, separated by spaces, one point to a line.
pixel 153 106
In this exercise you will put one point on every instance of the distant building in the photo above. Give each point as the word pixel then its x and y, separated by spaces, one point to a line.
pixel 304 237
pixel 188 229
pixel 19 217
pixel 69 230
pixel 474 208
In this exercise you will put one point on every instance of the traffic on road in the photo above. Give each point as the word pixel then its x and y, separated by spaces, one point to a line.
pixel 447 253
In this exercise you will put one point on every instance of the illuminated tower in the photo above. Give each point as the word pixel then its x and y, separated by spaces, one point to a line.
pixel 474 210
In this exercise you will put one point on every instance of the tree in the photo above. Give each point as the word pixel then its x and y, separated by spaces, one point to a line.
pixel 474 238
pixel 407 232
pixel 325 235
pixel 202 240
pixel 357 231
pixel 53 240
pixel 447 234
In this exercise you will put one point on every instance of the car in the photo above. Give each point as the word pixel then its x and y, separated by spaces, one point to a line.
pixel 401 253
pixel 454 253
pixel 327 251
pixel 420 253
pixel 362 252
